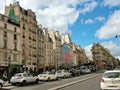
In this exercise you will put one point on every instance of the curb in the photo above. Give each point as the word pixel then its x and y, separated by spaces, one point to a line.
pixel 68 84
pixel 6 84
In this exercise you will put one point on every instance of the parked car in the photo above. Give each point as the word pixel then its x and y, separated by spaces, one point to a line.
pixel 74 72
pixel 84 70
pixel 47 76
pixel 63 73
pixel 23 78
pixel 110 80
pixel 1 83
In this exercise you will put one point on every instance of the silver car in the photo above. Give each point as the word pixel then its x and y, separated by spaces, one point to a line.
pixel 24 78
pixel 47 76
pixel 63 74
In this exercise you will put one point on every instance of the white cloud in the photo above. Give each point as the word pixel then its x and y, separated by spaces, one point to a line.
pixel 89 21
pixel 88 7
pixel 2 6
pixel 56 14
pixel 8 2
pixel 111 27
pixel 59 19
pixel 114 49
pixel 88 50
pixel 112 3
pixel 94 20
pixel 100 19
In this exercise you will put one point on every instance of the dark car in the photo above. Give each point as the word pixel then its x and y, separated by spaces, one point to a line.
pixel 74 72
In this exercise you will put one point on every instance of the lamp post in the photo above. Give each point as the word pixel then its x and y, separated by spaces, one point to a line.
pixel 117 36
pixel 9 63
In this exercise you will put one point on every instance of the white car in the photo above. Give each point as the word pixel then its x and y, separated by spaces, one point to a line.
pixel 1 83
pixel 110 80
pixel 63 73
pixel 24 78
pixel 47 76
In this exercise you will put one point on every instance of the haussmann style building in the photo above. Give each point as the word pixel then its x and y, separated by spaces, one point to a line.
pixel 10 41
pixel 102 57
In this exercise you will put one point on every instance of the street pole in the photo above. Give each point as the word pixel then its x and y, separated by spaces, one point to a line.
pixel 117 36
pixel 9 63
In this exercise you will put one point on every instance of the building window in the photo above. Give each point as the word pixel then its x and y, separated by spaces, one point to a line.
pixel 23 52
pixel 5 34
pixel 15 29
pixel 23 35
pixel 23 43
pixel 4 56
pixel 23 26
pixel 5 44
pixel 15 57
pixel 15 46
pixel 15 37
pixel 5 26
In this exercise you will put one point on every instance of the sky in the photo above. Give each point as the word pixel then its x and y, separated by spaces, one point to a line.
pixel 86 21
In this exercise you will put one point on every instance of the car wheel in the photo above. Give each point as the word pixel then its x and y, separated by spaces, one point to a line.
pixel 57 78
pixel 13 84
pixel 37 81
pixel 48 79
pixel 24 82
pixel 0 86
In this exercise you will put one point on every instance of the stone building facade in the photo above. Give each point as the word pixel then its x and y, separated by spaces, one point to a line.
pixel 28 30
pixel 56 38
pixel 102 56
pixel 49 52
pixel 40 49
pixel 10 41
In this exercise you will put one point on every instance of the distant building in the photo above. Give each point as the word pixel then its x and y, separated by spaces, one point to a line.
pixel 102 56
pixel 77 54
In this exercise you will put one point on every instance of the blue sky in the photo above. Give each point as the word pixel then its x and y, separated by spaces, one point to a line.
pixel 87 21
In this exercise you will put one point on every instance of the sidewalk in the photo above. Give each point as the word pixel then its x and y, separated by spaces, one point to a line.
pixel 6 84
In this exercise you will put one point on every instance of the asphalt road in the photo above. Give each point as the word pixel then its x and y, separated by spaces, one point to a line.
pixel 83 82
pixel 90 84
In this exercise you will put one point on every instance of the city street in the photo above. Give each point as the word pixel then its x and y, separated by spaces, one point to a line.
pixel 91 84
pixel 83 82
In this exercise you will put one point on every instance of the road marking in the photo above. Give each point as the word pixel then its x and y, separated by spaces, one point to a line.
pixel 68 84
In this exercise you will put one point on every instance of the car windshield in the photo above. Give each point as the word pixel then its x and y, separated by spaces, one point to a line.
pixel 45 72
pixel 17 75
pixel 83 67
pixel 112 75
pixel 59 71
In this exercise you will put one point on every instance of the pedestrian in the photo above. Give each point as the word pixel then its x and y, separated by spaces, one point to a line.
pixel 4 76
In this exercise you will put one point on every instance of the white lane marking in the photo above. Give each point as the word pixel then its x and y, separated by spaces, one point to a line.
pixel 68 84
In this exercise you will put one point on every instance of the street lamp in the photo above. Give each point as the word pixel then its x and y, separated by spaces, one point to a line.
pixel 117 36
pixel 9 63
